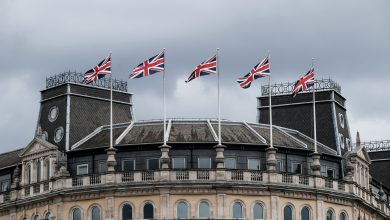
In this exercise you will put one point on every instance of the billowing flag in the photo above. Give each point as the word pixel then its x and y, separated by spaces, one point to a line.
pixel 262 69
pixel 304 82
pixel 205 68
pixel 99 71
pixel 149 67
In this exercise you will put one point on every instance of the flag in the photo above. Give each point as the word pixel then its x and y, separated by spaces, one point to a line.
pixel 205 68
pixel 262 69
pixel 304 82
pixel 99 71
pixel 149 67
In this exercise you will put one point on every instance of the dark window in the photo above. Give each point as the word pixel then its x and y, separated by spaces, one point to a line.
pixel 329 215
pixel 253 164
pixel 38 171
pixel 297 168
pixel 4 186
pixel 36 217
pixel 82 169
pixel 48 216
pixel 127 212
pixel 153 164
pixel 182 210
pixel 204 162
pixel 305 213
pixel 179 163
pixel 47 164
pixel 95 211
pixel 281 166
pixel 237 210
pixel 204 210
pixel 230 163
pixel 287 213
pixel 258 212
pixel 148 211
pixel 330 173
pixel 343 216
pixel 128 165
pixel 76 215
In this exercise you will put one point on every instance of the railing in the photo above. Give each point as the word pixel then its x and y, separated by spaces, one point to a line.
pixel 304 180
pixel 182 175
pixel 329 183
pixel 237 175
pixel 203 175
pixel 287 178
pixel 95 179
pixel 36 188
pixel 341 186
pixel 256 176
pixel 373 146
pixel 46 186
pixel 147 175
pixel 27 190
pixel 77 181
pixel 127 177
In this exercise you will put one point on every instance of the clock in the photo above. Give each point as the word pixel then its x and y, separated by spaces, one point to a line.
pixel 58 134
pixel 53 113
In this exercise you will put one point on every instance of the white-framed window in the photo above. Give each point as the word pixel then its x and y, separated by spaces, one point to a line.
pixel 253 164
pixel 82 169
pixel 204 162
pixel 296 167
pixel 4 186
pixel 330 173
pixel 230 163
pixel 179 163
pixel 128 164
pixel 153 164
pixel 281 165
pixel 204 210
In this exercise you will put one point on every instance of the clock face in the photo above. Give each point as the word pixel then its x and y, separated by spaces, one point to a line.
pixel 341 120
pixel 58 134
pixel 53 113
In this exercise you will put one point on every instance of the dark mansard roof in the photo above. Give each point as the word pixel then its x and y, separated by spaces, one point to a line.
pixel 10 159
pixel 198 131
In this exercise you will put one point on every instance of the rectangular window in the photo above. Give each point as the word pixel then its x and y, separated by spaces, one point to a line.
pixel 128 165
pixel 82 169
pixel 330 173
pixel 204 162
pixel 281 166
pixel 178 163
pixel 4 186
pixel 153 164
pixel 296 168
pixel 230 163
pixel 253 164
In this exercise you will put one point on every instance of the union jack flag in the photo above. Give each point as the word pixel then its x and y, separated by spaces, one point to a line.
pixel 262 69
pixel 304 82
pixel 205 68
pixel 149 67
pixel 99 71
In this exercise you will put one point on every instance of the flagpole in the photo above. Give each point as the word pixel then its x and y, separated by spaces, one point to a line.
pixel 314 111
pixel 270 109
pixel 111 145
pixel 164 107
pixel 219 104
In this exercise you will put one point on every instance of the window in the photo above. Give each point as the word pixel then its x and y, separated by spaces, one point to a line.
pixel 28 174
pixel 287 213
pixel 148 211
pixel 204 162
pixel 4 186
pixel 95 213
pixel 102 167
pixel 230 163
pixel 343 216
pixel 48 216
pixel 330 173
pixel 76 214
pixel 204 210
pixel 296 168
pixel 82 169
pixel 47 170
pixel 182 210
pixel 281 165
pixel 258 212
pixel 305 213
pixel 128 165
pixel 237 210
pixel 153 164
pixel 329 215
pixel 38 169
pixel 127 212
pixel 36 217
pixel 179 163
pixel 253 164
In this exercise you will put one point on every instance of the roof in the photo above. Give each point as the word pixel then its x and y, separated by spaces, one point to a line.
pixel 198 131
pixel 10 158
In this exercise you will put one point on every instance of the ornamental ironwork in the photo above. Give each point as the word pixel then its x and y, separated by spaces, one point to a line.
pixel 286 88
pixel 77 78
pixel 376 145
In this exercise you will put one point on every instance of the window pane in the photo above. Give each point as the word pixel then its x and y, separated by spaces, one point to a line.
pixel 343 216
pixel 258 211
pixel 36 217
pixel 48 216
pixel 95 213
pixel 297 168
pixel 4 186
pixel 237 210
pixel 204 210
pixel 47 169
pixel 305 213
pixel 287 213
pixel 127 212
pixel 153 164
pixel 330 173
pixel 281 165
pixel 38 171
pixel 148 211
pixel 76 214
pixel 179 163
pixel 329 215
pixel 128 165
pixel 230 163
pixel 182 210
pixel 82 169
pixel 204 162
pixel 253 164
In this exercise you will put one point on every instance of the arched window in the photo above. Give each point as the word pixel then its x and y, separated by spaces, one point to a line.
pixel 28 174
pixel 36 217
pixel 127 212
pixel 182 210
pixel 288 213
pixel 76 214
pixel 95 213
pixel 237 210
pixel 48 216
pixel 148 211
pixel 343 216
pixel 38 170
pixel 204 210
pixel 329 215
pixel 258 211
pixel 305 213
pixel 47 170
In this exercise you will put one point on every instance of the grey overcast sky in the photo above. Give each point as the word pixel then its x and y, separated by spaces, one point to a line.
pixel 350 40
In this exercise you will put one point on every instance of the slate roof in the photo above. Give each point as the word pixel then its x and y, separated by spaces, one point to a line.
pixel 199 131
pixel 10 158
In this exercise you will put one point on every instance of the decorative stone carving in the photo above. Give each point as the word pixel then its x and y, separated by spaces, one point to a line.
pixel 316 166
pixel 271 159
pixel 16 176
pixel 111 161
pixel 164 159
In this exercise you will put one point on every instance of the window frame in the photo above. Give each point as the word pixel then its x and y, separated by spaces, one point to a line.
pixel 91 212
pixel 231 158
pixel 281 164
pixel 121 209
pixel 147 163
pixel 242 209
pixel 143 210
pixel 175 158
pixel 127 160
pixel 292 167
pixel 253 210
pixel 257 159
pixel 209 211
pixel 187 209
pixel 209 159
pixel 82 165
pixel 333 170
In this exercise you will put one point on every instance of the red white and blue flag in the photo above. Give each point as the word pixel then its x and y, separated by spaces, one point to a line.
pixel 262 69
pixel 304 82
pixel 149 67
pixel 99 71
pixel 205 68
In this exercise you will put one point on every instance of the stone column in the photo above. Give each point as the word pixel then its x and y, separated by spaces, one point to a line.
pixel 220 162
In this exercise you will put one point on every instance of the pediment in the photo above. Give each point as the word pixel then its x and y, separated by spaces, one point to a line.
pixel 37 145
pixel 361 152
